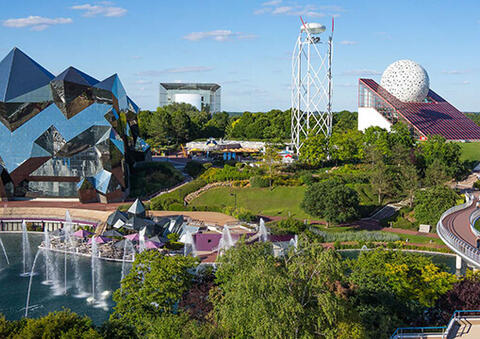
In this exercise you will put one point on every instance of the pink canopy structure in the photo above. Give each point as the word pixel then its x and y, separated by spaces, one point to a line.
pixel 82 233
pixel 152 244
pixel 133 237
pixel 100 240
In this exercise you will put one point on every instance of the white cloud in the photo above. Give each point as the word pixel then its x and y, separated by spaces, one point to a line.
pixel 272 3
pixel 103 9
pixel 312 11
pixel 359 72
pixel 348 42
pixel 187 69
pixel 455 72
pixel 143 82
pixel 218 35
pixel 36 23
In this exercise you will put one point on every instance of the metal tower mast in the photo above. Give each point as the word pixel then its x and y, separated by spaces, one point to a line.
pixel 311 84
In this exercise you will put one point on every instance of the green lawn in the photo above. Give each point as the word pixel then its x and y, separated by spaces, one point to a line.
pixel 470 151
pixel 279 201
pixel 419 239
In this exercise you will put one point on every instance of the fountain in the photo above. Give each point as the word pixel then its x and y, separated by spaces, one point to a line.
pixel 26 251
pixel 126 244
pixel 226 241
pixel 189 246
pixel 51 271
pixel 30 283
pixel 97 297
pixel 141 244
pixel 4 252
pixel 69 241
pixel 262 231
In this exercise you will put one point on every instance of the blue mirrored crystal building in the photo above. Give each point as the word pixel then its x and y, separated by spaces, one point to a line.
pixel 67 135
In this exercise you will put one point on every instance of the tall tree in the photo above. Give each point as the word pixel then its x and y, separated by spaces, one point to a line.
pixel 332 200
pixel 314 150
pixel 379 173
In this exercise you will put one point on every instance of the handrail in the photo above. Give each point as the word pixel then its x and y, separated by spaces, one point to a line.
pixel 459 245
pixel 473 217
pixel 407 332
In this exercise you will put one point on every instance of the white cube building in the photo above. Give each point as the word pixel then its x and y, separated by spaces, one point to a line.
pixel 204 96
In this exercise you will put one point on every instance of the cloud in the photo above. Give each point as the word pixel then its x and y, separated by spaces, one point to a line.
pixel 313 11
pixel 103 9
pixel 272 3
pixel 218 35
pixel 358 72
pixel 36 23
pixel 187 69
pixel 348 42
pixel 455 72
pixel 143 82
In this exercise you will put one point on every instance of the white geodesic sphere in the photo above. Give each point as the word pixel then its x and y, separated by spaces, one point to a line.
pixel 406 80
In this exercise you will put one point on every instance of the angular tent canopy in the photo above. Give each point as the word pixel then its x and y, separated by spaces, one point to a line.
pixel 82 233
pixel 119 224
pixel 100 240
pixel 112 233
pixel 114 217
pixel 137 209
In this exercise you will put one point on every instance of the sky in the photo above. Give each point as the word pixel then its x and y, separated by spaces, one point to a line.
pixel 246 46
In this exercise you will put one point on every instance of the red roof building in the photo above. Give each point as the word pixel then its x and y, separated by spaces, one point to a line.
pixel 434 116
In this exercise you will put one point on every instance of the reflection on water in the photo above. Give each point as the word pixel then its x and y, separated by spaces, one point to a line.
pixel 13 287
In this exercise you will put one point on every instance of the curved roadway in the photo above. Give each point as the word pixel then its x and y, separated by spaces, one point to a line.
pixel 459 224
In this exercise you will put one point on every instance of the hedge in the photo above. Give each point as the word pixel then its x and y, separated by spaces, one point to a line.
pixel 163 202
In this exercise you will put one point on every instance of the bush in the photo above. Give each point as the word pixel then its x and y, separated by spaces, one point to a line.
pixel 163 202
pixel 240 213
pixel 227 173
pixel 258 181
pixel 476 185
pixel 194 168
pixel 307 179
pixel 176 206
pixel 360 236
pixel 291 225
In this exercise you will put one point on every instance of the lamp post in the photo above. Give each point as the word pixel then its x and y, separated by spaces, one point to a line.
pixel 234 195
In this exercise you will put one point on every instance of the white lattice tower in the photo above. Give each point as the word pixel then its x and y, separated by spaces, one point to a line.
pixel 311 85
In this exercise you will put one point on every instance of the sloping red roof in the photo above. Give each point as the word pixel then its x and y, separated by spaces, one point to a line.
pixel 437 117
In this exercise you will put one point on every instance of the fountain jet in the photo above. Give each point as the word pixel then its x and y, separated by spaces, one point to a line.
pixel 26 251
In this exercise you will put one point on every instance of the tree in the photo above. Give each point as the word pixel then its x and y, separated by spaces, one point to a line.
pixel 407 178
pixel 380 174
pixel 271 159
pixel 377 138
pixel 400 134
pixel 447 153
pixel 60 324
pixel 394 289
pixel 347 146
pixel 432 202
pixel 332 200
pixel 462 296
pixel 314 150
pixel 153 287
pixel 345 120
pixel 436 174
pixel 301 296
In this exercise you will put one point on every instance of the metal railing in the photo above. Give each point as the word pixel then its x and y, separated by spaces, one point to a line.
pixel 473 218
pixel 457 244
pixel 435 331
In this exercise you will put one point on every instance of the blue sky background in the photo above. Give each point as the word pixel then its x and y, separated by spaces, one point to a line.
pixel 246 46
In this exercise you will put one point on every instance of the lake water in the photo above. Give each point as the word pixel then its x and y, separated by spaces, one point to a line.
pixel 13 287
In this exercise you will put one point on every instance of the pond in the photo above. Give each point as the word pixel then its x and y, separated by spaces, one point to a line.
pixel 45 297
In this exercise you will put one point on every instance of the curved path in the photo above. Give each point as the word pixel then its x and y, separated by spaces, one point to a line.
pixel 454 229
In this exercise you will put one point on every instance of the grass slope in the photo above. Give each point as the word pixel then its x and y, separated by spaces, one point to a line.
pixel 470 151
pixel 278 201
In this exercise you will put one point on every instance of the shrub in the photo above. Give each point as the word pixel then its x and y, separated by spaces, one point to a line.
pixel 240 213
pixel 194 168
pixel 360 236
pixel 291 225
pixel 162 202
pixel 258 181
pixel 307 179
pixel 176 206
pixel 207 165
pixel 476 184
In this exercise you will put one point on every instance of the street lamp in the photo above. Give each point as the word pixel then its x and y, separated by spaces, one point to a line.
pixel 234 195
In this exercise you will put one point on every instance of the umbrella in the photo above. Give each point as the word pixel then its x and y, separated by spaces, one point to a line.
pixel 100 240
pixel 133 237
pixel 112 233
pixel 153 244
pixel 82 233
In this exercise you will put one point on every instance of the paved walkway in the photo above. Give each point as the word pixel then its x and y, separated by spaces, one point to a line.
pixel 459 224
